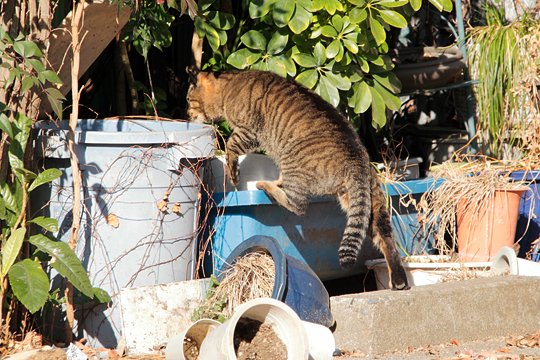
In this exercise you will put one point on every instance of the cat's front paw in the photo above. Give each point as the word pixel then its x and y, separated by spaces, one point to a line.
pixel 234 173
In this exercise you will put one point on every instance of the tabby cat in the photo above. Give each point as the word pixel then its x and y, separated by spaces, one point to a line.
pixel 315 147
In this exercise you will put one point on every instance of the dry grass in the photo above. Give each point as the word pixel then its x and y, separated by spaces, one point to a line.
pixel 251 276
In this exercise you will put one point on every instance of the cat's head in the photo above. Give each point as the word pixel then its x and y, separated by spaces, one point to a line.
pixel 203 98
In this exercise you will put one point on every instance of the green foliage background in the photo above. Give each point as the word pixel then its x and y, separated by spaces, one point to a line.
pixel 337 48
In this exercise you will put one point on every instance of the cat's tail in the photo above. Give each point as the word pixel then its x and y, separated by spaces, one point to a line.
pixel 356 202
pixel 383 237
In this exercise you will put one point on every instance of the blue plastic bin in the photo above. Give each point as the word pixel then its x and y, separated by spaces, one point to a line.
pixel 313 238
pixel 528 226
pixel 295 283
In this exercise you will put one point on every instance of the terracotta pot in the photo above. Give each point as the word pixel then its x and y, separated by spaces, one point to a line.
pixel 485 228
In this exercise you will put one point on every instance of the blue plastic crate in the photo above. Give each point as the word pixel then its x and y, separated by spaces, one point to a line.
pixel 313 238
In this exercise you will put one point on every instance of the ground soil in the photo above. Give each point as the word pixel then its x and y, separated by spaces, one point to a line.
pixel 254 340
pixel 191 349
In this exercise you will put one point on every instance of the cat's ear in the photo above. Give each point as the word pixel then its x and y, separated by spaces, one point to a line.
pixel 192 72
pixel 205 79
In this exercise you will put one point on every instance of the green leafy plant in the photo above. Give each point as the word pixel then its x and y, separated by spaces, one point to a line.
pixel 150 21
pixel 212 308
pixel 338 48
pixel 503 59
pixel 22 275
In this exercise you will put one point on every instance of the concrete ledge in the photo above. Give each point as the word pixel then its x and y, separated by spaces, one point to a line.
pixel 383 321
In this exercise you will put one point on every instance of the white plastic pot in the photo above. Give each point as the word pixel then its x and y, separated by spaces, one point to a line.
pixel 197 332
pixel 423 269
pixel 219 344
pixel 506 261
pixel 321 342
pixel 252 167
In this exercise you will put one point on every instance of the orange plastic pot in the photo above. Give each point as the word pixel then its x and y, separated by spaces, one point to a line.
pixel 486 227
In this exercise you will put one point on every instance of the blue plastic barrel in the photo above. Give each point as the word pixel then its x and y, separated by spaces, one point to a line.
pixel 528 226
pixel 127 237
pixel 313 238
pixel 295 283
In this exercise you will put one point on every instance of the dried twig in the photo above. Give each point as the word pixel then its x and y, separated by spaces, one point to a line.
pixel 78 13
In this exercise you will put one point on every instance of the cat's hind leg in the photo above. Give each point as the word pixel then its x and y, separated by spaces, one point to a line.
pixel 382 237
pixel 286 196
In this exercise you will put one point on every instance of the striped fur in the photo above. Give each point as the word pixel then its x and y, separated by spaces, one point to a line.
pixel 316 149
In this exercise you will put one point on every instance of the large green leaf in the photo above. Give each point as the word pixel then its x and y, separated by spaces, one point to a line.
pixel 327 91
pixel 9 198
pixel 416 4
pixel 277 43
pixel 442 5
pixel 5 125
pixel 44 177
pixel 389 81
pixel 329 31
pixel 304 60
pixel 50 76
pixel 319 53
pixel 337 22
pixel 27 83
pixel 243 58
pixel 3 214
pixel 24 173
pixel 360 101
pixel 101 296
pixel 289 63
pixel 15 157
pixel 351 45
pixel 46 223
pixel 358 15
pixel 30 284
pixel 253 39
pixel 300 20
pixel 55 98
pixel 277 65
pixel 205 4
pixel 65 262
pixel 37 65
pixel 339 81
pixel 308 78
pixel 378 109
pixel 27 48
pixel 393 3
pixel 11 249
pixel 377 30
pixel 393 18
pixel 204 29
pixel 24 124
pixel 391 100
pixel 333 49
pixel 332 6
pixel 259 8
pixel 282 12
pixel 220 20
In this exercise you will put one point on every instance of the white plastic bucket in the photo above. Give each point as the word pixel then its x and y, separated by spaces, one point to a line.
pixel 196 333
pixel 321 342
pixel 506 261
pixel 219 344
